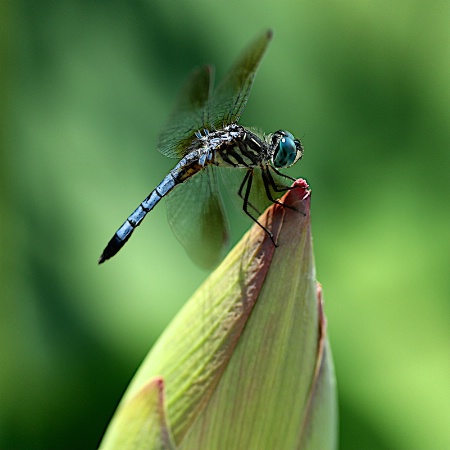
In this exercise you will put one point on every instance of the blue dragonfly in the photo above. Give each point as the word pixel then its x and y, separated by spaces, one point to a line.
pixel 203 133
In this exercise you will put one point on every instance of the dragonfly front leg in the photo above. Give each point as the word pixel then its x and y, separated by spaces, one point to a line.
pixel 274 186
pixel 268 179
pixel 248 181
pixel 244 181
pixel 281 174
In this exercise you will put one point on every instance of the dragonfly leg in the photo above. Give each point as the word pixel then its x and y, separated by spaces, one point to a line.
pixel 248 179
pixel 281 174
pixel 276 187
pixel 268 179
pixel 244 181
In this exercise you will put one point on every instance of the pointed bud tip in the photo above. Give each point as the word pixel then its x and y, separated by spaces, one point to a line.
pixel 300 187
pixel 301 183
pixel 299 192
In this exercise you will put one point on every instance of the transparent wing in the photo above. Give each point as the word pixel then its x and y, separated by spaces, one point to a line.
pixel 197 217
pixel 188 115
pixel 230 97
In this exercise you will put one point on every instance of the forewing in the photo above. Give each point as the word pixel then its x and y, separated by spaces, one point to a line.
pixel 197 217
pixel 230 97
pixel 188 115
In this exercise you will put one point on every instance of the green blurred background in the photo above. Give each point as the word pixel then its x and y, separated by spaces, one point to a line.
pixel 85 89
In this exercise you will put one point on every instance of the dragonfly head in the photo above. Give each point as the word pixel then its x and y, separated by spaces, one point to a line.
pixel 285 149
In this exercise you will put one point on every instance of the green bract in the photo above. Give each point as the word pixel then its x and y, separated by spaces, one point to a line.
pixel 246 364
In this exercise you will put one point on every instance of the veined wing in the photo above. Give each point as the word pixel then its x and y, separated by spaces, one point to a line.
pixel 196 214
pixel 230 97
pixel 189 114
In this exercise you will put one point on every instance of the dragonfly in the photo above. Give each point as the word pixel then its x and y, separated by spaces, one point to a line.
pixel 204 134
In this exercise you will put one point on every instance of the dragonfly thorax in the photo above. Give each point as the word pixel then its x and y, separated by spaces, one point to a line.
pixel 232 146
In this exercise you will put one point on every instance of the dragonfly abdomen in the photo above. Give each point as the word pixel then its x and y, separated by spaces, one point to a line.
pixel 186 168
pixel 125 231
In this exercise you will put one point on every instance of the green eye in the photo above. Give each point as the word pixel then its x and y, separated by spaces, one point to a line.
pixel 286 152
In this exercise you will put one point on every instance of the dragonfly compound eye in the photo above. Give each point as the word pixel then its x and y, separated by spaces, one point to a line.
pixel 286 152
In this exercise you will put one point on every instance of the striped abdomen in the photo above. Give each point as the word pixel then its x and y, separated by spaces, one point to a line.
pixel 186 168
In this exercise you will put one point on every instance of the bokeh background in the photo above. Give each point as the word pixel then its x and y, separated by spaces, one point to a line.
pixel 85 87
